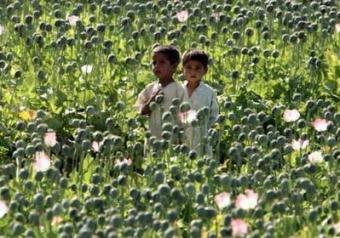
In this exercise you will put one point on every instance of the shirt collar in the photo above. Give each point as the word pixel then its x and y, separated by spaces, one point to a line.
pixel 160 85
pixel 199 85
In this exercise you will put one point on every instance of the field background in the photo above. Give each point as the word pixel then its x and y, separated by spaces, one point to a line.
pixel 75 68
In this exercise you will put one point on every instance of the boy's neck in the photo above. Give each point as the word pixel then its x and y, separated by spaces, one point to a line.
pixel 193 85
pixel 165 82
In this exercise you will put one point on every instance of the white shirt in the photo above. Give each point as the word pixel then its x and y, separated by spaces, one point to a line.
pixel 170 91
pixel 202 96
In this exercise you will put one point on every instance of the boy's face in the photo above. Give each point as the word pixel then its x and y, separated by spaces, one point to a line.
pixel 194 71
pixel 162 67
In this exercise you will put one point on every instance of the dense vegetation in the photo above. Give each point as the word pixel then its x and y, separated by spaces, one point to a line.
pixel 72 160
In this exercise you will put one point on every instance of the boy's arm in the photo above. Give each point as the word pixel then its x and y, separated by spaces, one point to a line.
pixel 145 110
pixel 144 106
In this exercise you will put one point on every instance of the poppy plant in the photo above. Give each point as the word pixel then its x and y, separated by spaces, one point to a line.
pixel 291 115
pixel 3 209
pixel 247 201
pixel 73 20
pixel 320 124
pixel 222 200
pixel 315 157
pixel 42 161
pixel 182 16
pixel 50 139
pixel 239 227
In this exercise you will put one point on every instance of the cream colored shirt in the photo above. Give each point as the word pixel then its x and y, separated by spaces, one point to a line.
pixel 202 96
pixel 170 91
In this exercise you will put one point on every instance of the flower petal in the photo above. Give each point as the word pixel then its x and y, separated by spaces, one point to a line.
pixel 239 227
pixel 73 20
pixel 247 201
pixel 291 115
pixel 320 124
pixel 2 30
pixel 315 157
pixel 86 69
pixel 3 209
pixel 222 200
pixel 182 16
pixel 42 161
pixel 50 138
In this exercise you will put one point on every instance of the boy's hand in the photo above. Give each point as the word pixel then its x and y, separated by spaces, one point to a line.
pixel 146 109
pixel 154 95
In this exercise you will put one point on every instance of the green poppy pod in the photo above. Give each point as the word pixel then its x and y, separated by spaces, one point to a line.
pixel 227 104
pixel 5 193
pixel 15 19
pixel 331 141
pixel 244 51
pixel 172 215
pixel 164 190
pixel 23 174
pixel 235 74
pixel 17 229
pixel 266 53
pixel 19 153
pixel 210 212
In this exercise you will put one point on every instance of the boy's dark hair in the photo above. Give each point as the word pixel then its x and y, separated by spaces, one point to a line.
pixel 197 55
pixel 170 52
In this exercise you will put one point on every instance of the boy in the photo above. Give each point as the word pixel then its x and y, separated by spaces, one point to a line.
pixel 202 98
pixel 165 60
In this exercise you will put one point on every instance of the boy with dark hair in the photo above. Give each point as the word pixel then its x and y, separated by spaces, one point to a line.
pixel 165 60
pixel 202 98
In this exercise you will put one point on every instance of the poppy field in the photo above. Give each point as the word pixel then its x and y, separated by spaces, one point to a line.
pixel 73 157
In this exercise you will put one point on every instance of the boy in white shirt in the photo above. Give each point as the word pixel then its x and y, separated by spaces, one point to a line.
pixel 202 98
pixel 165 60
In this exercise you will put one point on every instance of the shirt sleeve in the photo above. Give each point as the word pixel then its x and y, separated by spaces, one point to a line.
pixel 214 110
pixel 141 99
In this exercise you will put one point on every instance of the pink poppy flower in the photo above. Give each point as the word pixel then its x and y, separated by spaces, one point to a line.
pixel 291 115
pixel 216 15
pixel 42 161
pixel 239 227
pixel 96 145
pixel 299 144
pixel 86 69
pixel 315 157
pixel 73 20
pixel 222 200
pixel 182 16
pixel 3 209
pixel 123 161
pixel 56 220
pixel 320 124
pixel 2 30
pixel 247 201
pixel 187 117
pixel 336 227
pixel 337 28
pixel 128 161
pixel 50 138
